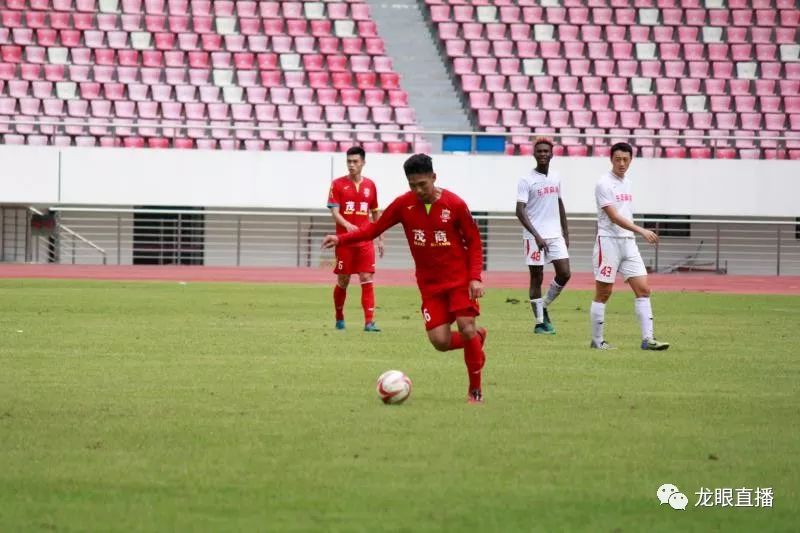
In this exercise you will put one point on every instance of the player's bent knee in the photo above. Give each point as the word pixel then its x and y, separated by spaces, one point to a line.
pixel 440 342
pixel 440 346
pixel 468 329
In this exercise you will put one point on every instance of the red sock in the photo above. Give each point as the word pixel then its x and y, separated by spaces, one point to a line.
pixel 368 301
pixel 339 295
pixel 456 341
pixel 474 359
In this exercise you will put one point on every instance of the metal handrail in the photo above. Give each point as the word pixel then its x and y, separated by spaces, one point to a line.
pixel 417 132
pixel 72 233
pixel 281 237
pixel 324 212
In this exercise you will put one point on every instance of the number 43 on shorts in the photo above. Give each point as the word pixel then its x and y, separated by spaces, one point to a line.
pixel 605 271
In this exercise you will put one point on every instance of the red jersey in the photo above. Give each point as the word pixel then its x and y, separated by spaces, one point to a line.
pixel 445 242
pixel 354 202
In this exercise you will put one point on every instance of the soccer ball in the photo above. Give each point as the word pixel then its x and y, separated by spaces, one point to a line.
pixel 393 387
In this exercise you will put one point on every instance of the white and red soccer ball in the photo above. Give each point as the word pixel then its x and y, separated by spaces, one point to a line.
pixel 393 387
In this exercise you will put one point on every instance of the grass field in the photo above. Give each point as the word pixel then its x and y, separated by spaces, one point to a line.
pixel 232 407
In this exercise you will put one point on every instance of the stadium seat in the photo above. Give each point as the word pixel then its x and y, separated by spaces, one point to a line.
pixel 198 61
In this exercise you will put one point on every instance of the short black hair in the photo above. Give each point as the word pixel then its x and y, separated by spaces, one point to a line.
pixel 622 147
pixel 357 150
pixel 418 164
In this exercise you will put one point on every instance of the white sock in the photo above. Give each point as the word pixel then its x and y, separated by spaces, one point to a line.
pixel 598 316
pixel 539 312
pixel 552 293
pixel 645 313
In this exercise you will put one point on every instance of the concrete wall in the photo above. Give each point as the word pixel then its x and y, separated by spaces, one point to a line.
pixel 297 180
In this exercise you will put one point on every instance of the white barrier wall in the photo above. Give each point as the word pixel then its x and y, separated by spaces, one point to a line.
pixel 299 180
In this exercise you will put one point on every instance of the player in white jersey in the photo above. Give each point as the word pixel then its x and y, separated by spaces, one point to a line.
pixel 615 250
pixel 545 238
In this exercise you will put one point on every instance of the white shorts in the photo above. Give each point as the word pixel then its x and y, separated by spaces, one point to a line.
pixel 617 254
pixel 556 249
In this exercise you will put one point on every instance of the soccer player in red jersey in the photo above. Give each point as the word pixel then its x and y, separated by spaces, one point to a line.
pixel 353 201
pixel 447 251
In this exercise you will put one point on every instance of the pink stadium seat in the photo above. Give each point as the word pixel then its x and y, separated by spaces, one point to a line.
pixel 592 53
pixel 520 33
pixel 772 71
pixel 582 118
pixel 722 69
pixel 496 32
pixel 592 84
pixel 317 80
pixel 510 14
pixel 532 15
pixel 774 121
pixel 494 83
pixel 702 120
pixel 698 69
pixel 519 84
pixel 689 86
pixel 599 102
pixel 578 15
pixel 630 119
pixel 480 100
pixel 535 118
pixel 616 34
pixel 503 49
pixel 675 152
pixel 568 84
pixel 602 16
pixel 607 119
pixel 761 34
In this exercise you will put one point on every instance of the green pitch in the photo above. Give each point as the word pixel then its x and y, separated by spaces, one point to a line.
pixel 228 407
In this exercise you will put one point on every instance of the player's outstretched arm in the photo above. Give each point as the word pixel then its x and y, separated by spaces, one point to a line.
pixel 388 218
pixel 624 223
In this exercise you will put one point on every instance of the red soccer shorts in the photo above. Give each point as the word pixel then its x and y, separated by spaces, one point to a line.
pixel 355 259
pixel 445 306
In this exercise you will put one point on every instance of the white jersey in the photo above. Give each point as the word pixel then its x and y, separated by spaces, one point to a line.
pixel 540 193
pixel 615 192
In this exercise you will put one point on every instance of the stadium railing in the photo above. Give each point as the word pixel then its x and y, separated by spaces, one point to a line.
pixel 61 239
pixel 284 238
pixel 591 144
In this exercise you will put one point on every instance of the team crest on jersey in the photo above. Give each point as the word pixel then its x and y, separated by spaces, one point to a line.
pixel 445 215
pixel 366 191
